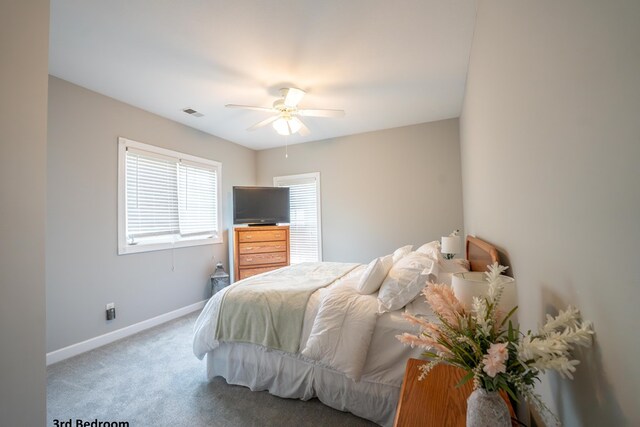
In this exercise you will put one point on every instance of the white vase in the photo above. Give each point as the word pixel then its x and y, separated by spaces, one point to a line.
pixel 487 409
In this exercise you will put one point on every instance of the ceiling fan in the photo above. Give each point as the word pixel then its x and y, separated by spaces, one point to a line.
pixel 286 118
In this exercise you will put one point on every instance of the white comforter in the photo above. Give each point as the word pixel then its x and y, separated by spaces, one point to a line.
pixel 342 330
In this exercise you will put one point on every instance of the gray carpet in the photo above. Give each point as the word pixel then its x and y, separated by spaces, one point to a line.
pixel 153 379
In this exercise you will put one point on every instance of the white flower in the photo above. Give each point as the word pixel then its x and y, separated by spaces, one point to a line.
pixel 494 271
pixel 550 349
pixel 479 307
pixel 533 348
pixel 582 335
pixel 494 293
pixel 424 369
pixel 565 319
pixel 561 364
pixel 579 335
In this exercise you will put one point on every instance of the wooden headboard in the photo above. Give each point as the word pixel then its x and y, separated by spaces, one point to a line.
pixel 480 254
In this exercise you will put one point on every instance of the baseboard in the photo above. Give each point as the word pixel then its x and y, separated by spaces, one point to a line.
pixel 99 341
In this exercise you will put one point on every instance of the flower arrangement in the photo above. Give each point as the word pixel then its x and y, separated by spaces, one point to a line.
pixel 483 341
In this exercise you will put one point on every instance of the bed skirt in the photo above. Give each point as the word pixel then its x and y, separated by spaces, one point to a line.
pixel 290 376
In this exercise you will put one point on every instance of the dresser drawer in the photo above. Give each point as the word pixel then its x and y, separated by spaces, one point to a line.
pixel 267 258
pixel 248 272
pixel 261 235
pixel 260 247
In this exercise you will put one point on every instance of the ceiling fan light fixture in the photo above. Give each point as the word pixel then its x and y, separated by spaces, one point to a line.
pixel 285 113
pixel 286 126
pixel 295 124
pixel 292 96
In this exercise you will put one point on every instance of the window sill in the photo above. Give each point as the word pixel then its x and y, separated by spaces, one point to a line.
pixel 150 247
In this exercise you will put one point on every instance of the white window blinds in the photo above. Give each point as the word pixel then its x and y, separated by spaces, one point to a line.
pixel 305 235
pixel 152 195
pixel 197 207
pixel 167 199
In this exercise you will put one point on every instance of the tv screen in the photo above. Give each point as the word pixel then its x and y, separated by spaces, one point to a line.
pixel 260 205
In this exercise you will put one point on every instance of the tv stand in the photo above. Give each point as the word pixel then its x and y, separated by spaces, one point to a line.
pixel 262 225
pixel 259 249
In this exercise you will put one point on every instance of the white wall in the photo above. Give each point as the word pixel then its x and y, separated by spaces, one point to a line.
pixel 380 190
pixel 84 271
pixel 550 151
pixel 24 44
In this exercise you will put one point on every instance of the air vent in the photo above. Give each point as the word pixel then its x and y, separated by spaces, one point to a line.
pixel 192 112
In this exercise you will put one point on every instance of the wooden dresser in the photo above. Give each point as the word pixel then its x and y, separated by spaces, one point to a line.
pixel 259 249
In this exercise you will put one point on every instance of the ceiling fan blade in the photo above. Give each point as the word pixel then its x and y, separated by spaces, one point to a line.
pixel 293 97
pixel 250 107
pixel 304 130
pixel 321 113
pixel 263 123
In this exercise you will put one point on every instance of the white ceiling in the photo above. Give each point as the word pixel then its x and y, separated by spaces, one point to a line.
pixel 386 63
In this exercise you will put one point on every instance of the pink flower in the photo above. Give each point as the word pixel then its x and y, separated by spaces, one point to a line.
pixel 415 320
pixel 427 327
pixel 423 341
pixel 494 360
pixel 444 302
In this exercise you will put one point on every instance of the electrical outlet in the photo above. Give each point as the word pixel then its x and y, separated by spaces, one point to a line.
pixel 111 311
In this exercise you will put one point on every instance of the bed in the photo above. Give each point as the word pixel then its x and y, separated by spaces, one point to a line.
pixel 309 331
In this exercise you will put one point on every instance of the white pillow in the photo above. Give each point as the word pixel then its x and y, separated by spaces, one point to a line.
pixel 374 274
pixel 431 249
pixel 405 281
pixel 400 252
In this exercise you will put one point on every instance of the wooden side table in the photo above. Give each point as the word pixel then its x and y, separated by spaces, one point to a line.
pixel 435 401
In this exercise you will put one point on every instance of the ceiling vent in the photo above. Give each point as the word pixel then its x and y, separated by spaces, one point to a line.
pixel 192 112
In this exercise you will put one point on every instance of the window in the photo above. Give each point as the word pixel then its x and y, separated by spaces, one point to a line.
pixel 166 199
pixel 305 235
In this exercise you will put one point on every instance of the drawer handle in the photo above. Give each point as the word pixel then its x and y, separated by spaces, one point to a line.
pixel 249 259
pixel 249 248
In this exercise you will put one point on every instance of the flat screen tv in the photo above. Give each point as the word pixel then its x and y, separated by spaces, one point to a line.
pixel 260 205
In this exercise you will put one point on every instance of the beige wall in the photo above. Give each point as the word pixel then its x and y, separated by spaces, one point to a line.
pixel 24 43
pixel 550 151
pixel 84 271
pixel 380 190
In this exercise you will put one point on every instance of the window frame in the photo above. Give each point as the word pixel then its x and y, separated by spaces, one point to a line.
pixel 123 247
pixel 316 176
